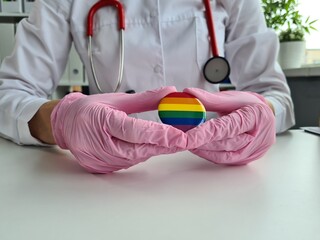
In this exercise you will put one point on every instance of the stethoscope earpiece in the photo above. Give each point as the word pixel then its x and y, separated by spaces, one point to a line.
pixel 216 70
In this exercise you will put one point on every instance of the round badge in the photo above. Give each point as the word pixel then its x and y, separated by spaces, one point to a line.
pixel 181 110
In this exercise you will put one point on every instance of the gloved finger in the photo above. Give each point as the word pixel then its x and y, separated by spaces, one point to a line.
pixel 122 155
pixel 129 103
pixel 229 126
pixel 119 125
pixel 231 144
pixel 226 101
pixel 114 122
pixel 239 157
pixel 137 102
pixel 133 152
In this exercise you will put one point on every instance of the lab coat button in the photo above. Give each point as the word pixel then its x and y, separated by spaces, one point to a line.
pixel 157 69
pixel 154 13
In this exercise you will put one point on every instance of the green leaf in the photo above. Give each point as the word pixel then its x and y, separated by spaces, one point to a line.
pixel 284 17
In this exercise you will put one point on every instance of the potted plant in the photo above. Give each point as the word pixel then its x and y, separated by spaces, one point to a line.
pixel 283 16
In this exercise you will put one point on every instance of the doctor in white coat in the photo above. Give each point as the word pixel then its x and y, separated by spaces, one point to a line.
pixel 166 44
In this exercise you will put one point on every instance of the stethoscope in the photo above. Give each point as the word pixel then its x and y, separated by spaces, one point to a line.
pixel 215 70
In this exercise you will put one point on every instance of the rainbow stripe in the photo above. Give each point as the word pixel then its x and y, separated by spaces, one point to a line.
pixel 181 110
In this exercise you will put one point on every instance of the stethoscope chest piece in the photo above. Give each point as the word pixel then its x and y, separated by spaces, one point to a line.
pixel 216 70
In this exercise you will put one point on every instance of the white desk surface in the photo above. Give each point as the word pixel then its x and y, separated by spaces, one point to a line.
pixel 45 195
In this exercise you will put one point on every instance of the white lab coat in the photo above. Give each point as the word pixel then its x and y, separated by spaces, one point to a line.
pixel 166 43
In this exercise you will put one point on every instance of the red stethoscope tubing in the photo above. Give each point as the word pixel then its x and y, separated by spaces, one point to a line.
pixel 101 4
pixel 90 22
pixel 121 16
pixel 215 70
pixel 210 25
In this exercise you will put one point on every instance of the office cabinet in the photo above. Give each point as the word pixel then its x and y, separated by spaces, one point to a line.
pixel 11 6
pixel 6 39
pixel 27 5
pixel 305 93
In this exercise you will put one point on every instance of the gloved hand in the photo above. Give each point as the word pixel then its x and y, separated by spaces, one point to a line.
pixel 244 131
pixel 103 138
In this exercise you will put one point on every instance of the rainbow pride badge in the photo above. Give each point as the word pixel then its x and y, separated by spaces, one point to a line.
pixel 181 110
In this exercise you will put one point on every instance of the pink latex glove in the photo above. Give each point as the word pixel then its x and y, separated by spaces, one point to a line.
pixel 98 132
pixel 244 131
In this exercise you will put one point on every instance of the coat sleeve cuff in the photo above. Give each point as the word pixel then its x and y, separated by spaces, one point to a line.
pixel 279 112
pixel 24 135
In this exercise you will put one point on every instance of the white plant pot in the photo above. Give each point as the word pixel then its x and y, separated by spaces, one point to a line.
pixel 292 54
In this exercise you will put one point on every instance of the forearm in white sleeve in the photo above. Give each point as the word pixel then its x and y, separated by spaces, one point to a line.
pixel 252 51
pixel 282 120
pixel 33 70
